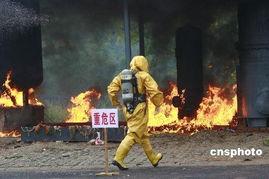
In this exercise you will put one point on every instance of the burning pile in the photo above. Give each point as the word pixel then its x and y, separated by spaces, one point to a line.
pixel 214 110
pixel 82 105
pixel 13 113
pixel 12 97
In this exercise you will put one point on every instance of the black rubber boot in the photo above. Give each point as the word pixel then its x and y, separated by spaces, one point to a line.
pixel 117 164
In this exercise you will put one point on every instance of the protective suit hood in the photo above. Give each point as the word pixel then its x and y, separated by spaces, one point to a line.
pixel 139 63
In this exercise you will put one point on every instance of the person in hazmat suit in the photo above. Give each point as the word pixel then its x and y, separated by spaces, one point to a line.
pixel 135 110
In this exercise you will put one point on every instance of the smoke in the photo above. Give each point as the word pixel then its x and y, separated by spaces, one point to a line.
pixel 84 46
pixel 218 21
pixel 15 16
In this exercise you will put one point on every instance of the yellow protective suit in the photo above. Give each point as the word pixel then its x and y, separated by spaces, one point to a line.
pixel 137 121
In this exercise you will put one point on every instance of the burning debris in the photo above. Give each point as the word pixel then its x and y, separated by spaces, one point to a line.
pixel 12 97
pixel 14 113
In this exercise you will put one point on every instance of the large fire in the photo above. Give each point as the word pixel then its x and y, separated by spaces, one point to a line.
pixel 214 110
pixel 82 105
pixel 12 97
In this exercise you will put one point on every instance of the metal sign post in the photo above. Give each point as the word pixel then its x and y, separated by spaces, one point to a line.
pixel 106 151
pixel 105 118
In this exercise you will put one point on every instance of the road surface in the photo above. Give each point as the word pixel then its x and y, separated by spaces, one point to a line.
pixel 238 172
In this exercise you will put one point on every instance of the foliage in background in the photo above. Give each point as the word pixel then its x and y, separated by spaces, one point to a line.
pixel 55 113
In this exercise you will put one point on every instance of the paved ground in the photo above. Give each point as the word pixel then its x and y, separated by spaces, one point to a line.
pixel 179 152
pixel 237 172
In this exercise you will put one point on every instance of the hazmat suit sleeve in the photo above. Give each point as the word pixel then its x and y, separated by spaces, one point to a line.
pixel 155 95
pixel 113 89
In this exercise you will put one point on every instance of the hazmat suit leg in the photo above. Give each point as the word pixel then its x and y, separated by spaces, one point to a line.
pixel 122 151
pixel 154 159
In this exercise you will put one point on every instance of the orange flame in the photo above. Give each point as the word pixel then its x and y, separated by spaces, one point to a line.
pixel 10 134
pixel 12 97
pixel 81 108
pixel 168 113
pixel 214 110
pixel 32 99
